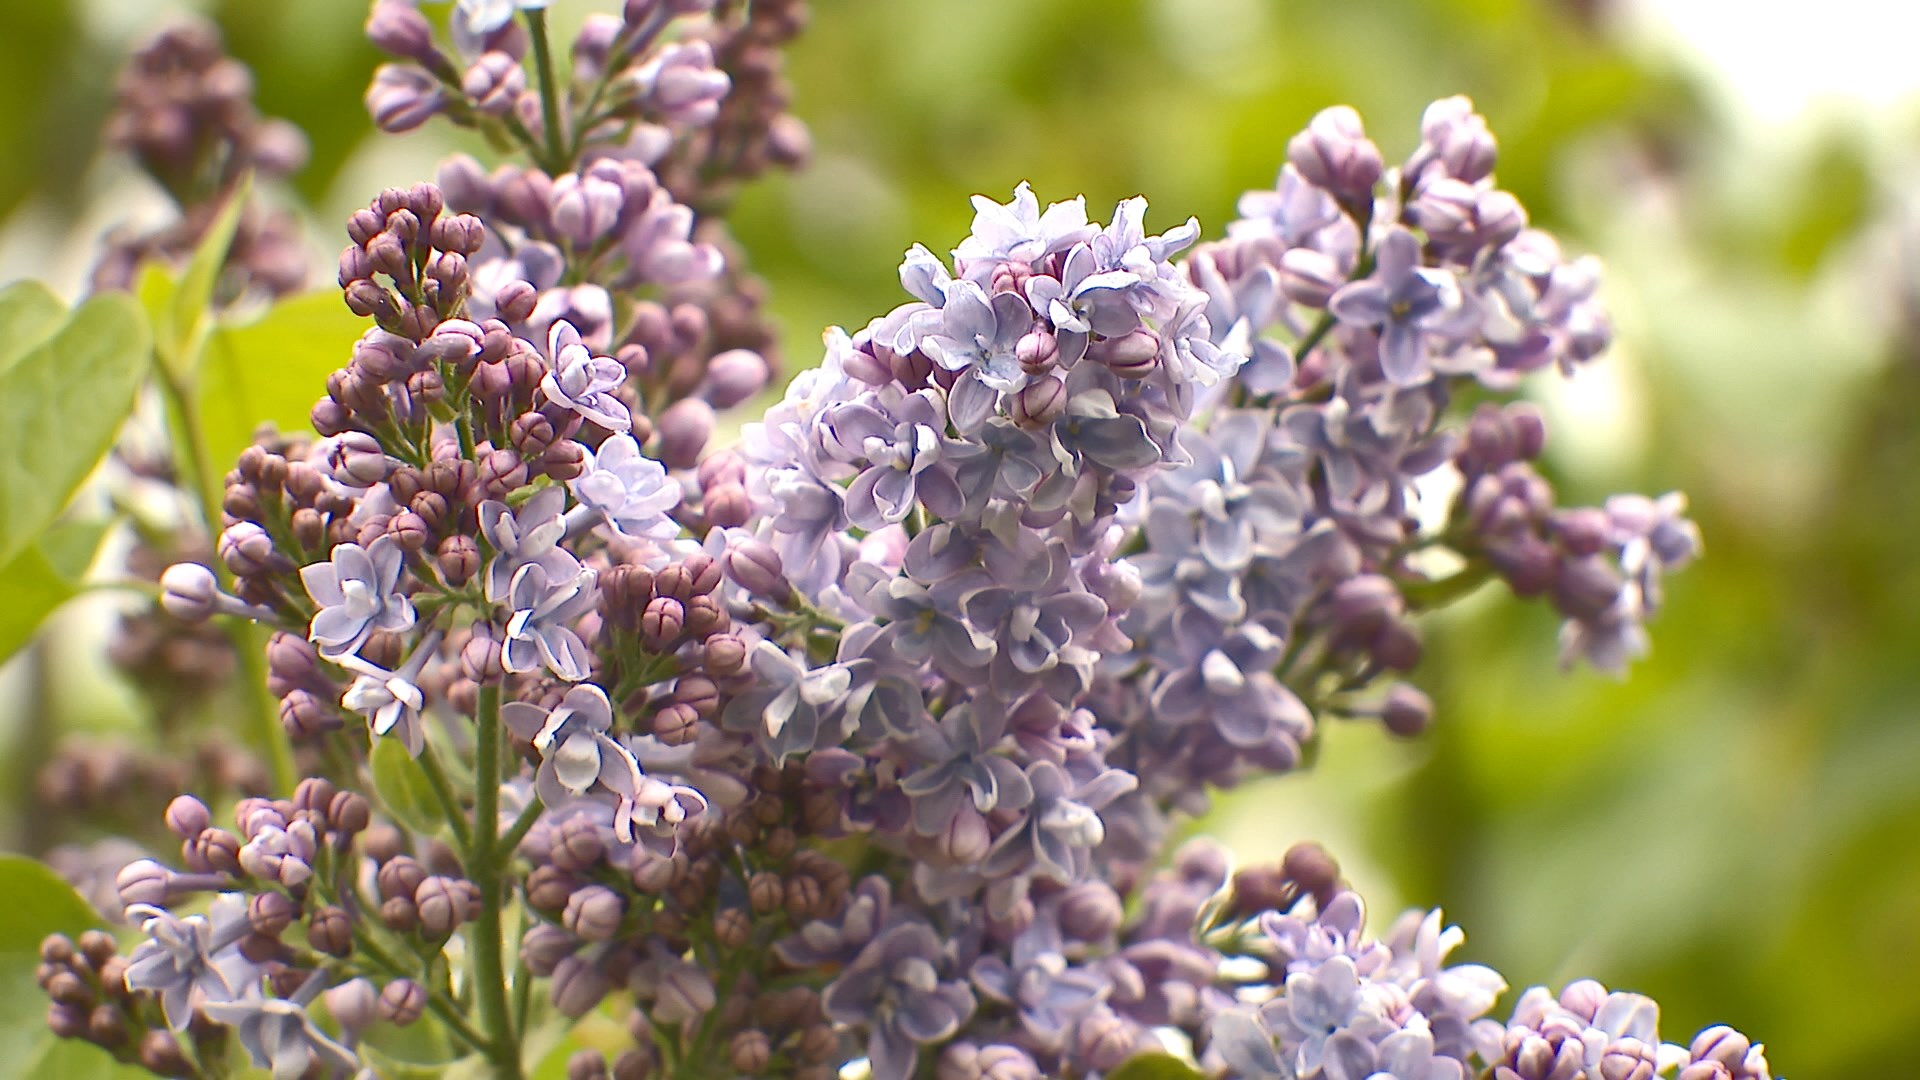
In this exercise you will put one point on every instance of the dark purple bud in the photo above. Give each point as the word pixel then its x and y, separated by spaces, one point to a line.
pixel 549 888
pixel 1407 712
pixel 966 838
pixel 727 506
pixel 270 913
pixel 349 813
pixel 330 930
pixel 402 1001
pixel 544 946
pixel 721 467
pixel 1584 531
pixel 749 1052
pixel 587 1065
pixel 247 549
pixel 594 913
pixel 1036 350
pixel 161 1055
pixel 458 559
pixel 217 851
pixel 577 986
pixel 1585 588
pixel 1090 912
pixel 354 265
pixel 442 906
pixel 578 846
pixel 662 623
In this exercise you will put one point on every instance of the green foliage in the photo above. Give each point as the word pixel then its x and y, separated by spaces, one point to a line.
pixel 38 904
pixel 189 310
pixel 29 315
pixel 1155 1067
pixel 403 787
pixel 30 590
pixel 270 371
pixel 60 406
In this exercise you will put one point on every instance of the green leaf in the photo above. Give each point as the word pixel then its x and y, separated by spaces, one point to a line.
pixel 194 296
pixel 38 903
pixel 271 370
pixel 29 314
pixel 403 788
pixel 30 590
pixel 1155 1067
pixel 155 291
pixel 69 547
pixel 75 1059
pixel 60 406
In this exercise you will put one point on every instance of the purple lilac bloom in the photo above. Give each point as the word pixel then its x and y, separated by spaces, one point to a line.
pixel 1405 301
pixel 539 630
pixel 358 592
pixel 630 489
pixel 583 383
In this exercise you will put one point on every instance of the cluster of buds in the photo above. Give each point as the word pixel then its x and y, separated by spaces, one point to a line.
pixel 184 110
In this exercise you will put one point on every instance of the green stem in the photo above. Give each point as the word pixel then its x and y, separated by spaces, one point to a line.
pixel 449 803
pixel 549 94
pixel 521 825
pixel 484 864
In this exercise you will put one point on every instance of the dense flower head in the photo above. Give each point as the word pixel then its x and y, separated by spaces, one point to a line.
pixel 863 739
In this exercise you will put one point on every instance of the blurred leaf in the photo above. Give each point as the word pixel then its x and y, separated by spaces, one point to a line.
pixel 30 590
pixel 38 904
pixel 391 1051
pixel 60 406
pixel 271 370
pixel 29 314
pixel 1155 1067
pixel 76 1059
pixel 194 296
pixel 403 787
pixel 1834 200
pixel 69 547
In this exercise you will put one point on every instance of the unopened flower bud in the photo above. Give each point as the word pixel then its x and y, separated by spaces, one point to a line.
pixel 330 930
pixel 1040 402
pixel 189 592
pixel 594 913
pixel 1334 154
pixel 143 882
pixel 398 29
pixel 1407 711
pixel 187 816
pixel 735 376
pixel 402 1001
pixel 749 1052
pixel 458 559
pixel 577 986
pixel 494 83
pixel 442 906
pixel 684 429
pixel 662 623
pixel 270 913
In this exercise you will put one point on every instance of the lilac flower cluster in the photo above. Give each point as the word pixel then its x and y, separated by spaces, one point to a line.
pixel 184 111
pixel 859 741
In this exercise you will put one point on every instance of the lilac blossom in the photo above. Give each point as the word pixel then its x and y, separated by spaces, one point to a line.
pixel 526 537
pixel 957 761
pixel 629 489
pixel 192 960
pixel 279 1035
pixel 358 592
pixel 576 753
pixel 785 709
pixel 583 383
pixel 894 989
pixel 1061 826
pixel 539 629
pixel 1405 301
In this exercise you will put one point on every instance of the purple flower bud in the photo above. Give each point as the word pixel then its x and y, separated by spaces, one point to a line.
pixel 189 592
pixel 270 913
pixel 442 905
pixel 1040 402
pixel 594 913
pixel 1132 355
pixel 399 29
pixel 354 1004
pixel 1309 277
pixel 577 987
pixel 330 930
pixel 727 506
pixel 544 946
pixel 494 83
pixel 1090 912
pixel 1334 153
pixel 683 993
pixel 684 430
pixel 402 1001
pixel 143 882
pixel 187 817
pixel 1407 711
pixel 756 567
pixel 734 376
pixel 248 550
pixel 402 98
pixel 1037 350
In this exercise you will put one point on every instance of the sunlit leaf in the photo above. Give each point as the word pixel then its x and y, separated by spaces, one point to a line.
pixel 29 315
pixel 271 370
pixel 403 787
pixel 194 296
pixel 60 407
pixel 1155 1067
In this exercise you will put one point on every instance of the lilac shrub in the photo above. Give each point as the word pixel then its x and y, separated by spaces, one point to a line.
pixel 861 740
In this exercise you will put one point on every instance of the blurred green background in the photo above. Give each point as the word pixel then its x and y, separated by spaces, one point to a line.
pixel 1732 828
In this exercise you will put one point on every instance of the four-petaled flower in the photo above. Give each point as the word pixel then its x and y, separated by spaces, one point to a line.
pixel 583 383
pixel 1405 300
pixel 358 593
pixel 539 630
pixel 632 490
pixel 576 753
pixel 193 960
